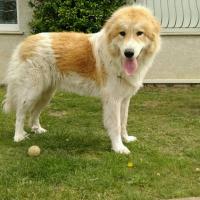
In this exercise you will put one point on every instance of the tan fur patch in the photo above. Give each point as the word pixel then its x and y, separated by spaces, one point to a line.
pixel 73 53
pixel 29 46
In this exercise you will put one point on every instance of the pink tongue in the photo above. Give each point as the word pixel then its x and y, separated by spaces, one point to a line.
pixel 130 66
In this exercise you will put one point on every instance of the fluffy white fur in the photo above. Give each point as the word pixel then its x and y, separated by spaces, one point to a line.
pixel 32 82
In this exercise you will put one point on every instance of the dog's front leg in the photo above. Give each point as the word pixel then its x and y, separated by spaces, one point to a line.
pixel 124 117
pixel 112 122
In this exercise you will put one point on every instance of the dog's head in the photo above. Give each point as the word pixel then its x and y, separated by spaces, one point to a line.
pixel 132 33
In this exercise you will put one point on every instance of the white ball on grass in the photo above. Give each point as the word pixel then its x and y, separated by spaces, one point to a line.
pixel 34 151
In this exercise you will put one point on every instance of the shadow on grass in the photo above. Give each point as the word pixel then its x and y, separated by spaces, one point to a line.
pixel 64 140
pixel 76 142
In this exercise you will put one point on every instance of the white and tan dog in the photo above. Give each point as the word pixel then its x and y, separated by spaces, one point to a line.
pixel 111 64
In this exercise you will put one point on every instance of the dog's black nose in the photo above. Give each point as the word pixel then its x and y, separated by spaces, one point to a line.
pixel 129 53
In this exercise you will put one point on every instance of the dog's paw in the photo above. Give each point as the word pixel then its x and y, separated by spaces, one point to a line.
pixel 128 139
pixel 20 137
pixel 38 130
pixel 121 149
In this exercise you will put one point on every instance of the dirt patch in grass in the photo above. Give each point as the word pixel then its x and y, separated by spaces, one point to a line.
pixel 57 113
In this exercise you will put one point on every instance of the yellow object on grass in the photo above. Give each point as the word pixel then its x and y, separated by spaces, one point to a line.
pixel 130 164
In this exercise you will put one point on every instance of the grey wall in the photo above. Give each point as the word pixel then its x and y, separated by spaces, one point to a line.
pixel 9 40
pixel 178 60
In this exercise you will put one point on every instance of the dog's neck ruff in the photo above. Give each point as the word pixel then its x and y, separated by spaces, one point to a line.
pixel 121 78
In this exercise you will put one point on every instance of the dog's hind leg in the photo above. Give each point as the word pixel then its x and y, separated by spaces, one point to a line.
pixel 34 121
pixel 25 100
pixel 20 134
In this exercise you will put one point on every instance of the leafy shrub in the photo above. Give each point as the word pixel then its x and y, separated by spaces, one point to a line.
pixel 71 15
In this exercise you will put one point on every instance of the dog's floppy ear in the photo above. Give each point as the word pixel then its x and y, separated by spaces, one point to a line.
pixel 156 25
pixel 154 37
pixel 154 28
pixel 111 31
pixel 156 33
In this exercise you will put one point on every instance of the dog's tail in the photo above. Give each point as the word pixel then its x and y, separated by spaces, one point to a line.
pixel 9 102
pixel 7 105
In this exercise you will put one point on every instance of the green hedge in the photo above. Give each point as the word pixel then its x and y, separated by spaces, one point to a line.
pixel 71 15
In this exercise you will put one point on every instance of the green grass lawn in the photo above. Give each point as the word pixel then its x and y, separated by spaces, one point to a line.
pixel 76 161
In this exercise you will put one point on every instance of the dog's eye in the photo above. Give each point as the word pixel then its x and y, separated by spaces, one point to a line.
pixel 122 33
pixel 139 33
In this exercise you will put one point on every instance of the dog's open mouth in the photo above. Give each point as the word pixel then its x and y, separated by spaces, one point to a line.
pixel 130 66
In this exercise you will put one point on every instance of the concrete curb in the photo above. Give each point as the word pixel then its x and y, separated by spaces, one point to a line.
pixel 188 198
